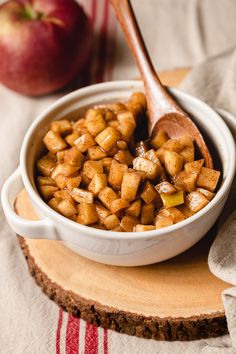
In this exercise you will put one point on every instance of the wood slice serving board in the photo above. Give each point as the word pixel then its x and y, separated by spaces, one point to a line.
pixel 178 299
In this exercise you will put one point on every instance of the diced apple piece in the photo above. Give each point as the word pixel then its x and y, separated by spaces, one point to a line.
pixel 165 188
pixel 84 142
pixel 124 156
pixel 129 186
pixel 63 194
pixel 185 210
pixel 71 138
pixel 163 221
pixel 147 214
pixel 114 124
pixel 45 165
pixel 74 157
pixel 118 229
pixel 96 153
pixel 142 164
pixel 109 115
pixel 148 193
pixel 173 162
pixel 85 180
pixel 112 222
pixel 117 107
pixel 54 142
pixel 128 223
pixel 208 178
pixel 67 208
pixel 186 141
pixel 116 174
pixel 95 122
pixel 107 138
pixel 195 201
pixel 47 192
pixel 90 168
pixel 188 154
pixel 159 139
pixel 61 155
pixel 45 181
pixel 107 196
pixel 82 196
pixel 107 163
pixel 135 208
pixel 61 126
pixel 60 181
pixel 152 156
pixel 194 166
pixel 73 181
pixel 122 145
pixel 118 205
pixel 176 214
pixel 209 195
pixel 171 200
pixel 186 180
pixel 53 203
pixel 141 228
pixel 87 214
pixel 173 145
pixel 99 181
pixel 102 212
pixel 126 117
pixel 66 169
pixel 80 126
pixel 161 154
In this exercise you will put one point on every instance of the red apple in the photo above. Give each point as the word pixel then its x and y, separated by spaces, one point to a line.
pixel 43 44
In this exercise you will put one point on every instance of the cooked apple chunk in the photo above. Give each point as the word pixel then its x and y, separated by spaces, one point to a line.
pixel 171 200
pixel 141 228
pixel 186 180
pixel 124 156
pixel 67 208
pixel 135 208
pixel 73 181
pixel 130 185
pixel 194 166
pixel 163 221
pixel 159 139
pixel 166 187
pixel 208 178
pixel 195 201
pixel 45 181
pixel 61 126
pixel 82 196
pixel 112 222
pixel 175 213
pixel 84 142
pixel 99 181
pixel 96 153
pixel 148 193
pixel 119 204
pixel 188 154
pixel 53 203
pixel 87 214
pixel 74 157
pixel 107 138
pixel 47 192
pixel 54 142
pixel 90 168
pixel 45 166
pixel 173 162
pixel 71 138
pixel 147 214
pixel 95 122
pixel 116 174
pixel 209 195
pixel 128 223
pixel 107 196
pixel 106 162
pixel 102 212
pixel 142 164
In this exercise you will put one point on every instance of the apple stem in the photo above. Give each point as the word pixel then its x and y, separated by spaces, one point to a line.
pixel 30 14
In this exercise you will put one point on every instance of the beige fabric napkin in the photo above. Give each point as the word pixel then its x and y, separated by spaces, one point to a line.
pixel 182 33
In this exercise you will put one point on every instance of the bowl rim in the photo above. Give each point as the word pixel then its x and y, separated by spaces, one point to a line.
pixel 113 235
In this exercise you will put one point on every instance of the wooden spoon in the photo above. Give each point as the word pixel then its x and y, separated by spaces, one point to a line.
pixel 163 111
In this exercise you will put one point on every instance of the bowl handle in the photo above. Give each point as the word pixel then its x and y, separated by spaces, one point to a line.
pixel 36 229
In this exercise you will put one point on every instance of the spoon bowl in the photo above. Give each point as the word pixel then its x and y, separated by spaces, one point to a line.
pixel 164 113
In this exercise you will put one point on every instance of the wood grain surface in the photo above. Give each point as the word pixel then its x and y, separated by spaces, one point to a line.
pixel 177 299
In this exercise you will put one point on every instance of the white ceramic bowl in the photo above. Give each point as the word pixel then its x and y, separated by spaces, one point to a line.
pixel 116 248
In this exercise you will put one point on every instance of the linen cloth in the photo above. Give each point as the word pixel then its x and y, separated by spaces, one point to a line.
pixel 178 33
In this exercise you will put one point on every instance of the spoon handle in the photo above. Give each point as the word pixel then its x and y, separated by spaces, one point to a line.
pixel 160 102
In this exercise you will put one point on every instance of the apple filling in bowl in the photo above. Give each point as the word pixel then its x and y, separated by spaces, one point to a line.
pixel 96 174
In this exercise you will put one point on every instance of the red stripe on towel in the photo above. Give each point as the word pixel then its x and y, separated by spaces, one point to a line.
pixel 105 341
pixel 58 334
pixel 72 335
pixel 91 339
